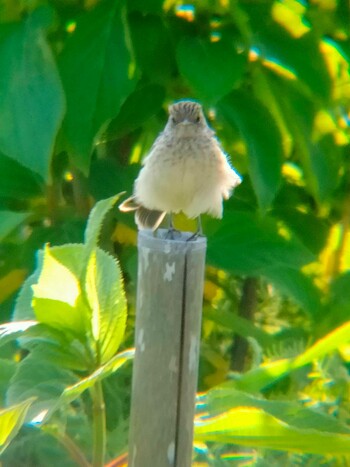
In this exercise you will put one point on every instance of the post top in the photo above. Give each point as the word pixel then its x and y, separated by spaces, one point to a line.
pixel 159 240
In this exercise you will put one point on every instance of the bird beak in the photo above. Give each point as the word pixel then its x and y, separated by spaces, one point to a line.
pixel 185 122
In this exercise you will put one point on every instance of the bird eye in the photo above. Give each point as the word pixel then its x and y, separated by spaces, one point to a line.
pixel 173 120
pixel 198 119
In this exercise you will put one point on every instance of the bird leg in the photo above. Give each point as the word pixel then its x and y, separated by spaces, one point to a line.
pixel 198 232
pixel 171 229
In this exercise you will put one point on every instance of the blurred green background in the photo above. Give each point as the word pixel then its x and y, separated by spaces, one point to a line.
pixel 84 90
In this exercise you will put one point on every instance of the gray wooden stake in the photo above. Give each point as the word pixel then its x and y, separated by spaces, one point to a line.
pixel 167 337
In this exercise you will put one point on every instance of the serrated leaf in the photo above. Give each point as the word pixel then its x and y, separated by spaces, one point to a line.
pixel 31 96
pixel 73 392
pixel 57 299
pixel 212 68
pixel 224 398
pixel 95 220
pixel 23 306
pixel 11 420
pixel 105 293
pixel 267 374
pixel 248 244
pixel 98 74
pixel 263 139
pixel 254 427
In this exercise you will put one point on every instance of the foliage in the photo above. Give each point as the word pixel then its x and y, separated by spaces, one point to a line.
pixel 83 94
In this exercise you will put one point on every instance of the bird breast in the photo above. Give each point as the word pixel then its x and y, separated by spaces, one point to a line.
pixel 184 174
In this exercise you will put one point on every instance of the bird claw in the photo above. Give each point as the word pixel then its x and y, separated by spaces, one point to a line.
pixel 170 235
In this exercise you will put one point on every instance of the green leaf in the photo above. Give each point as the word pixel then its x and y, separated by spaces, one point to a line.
pixel 310 229
pixel 9 221
pixel 7 370
pixel 223 398
pixel 108 176
pixel 263 139
pixel 11 420
pixel 73 392
pixel 140 105
pixel 240 326
pixel 151 6
pixel 39 378
pixel 95 220
pixel 302 56
pixel 98 74
pixel 320 157
pixel 248 244
pixel 254 427
pixel 267 374
pixel 278 46
pixel 31 96
pixel 155 56
pixel 296 285
pixel 212 68
pixel 11 331
pixel 23 307
pixel 57 298
pixel 105 293
pixel 16 181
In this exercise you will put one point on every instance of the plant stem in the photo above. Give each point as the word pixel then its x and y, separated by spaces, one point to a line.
pixel 74 451
pixel 80 193
pixel 246 309
pixel 99 425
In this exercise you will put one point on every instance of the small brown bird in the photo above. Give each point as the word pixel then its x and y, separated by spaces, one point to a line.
pixel 186 170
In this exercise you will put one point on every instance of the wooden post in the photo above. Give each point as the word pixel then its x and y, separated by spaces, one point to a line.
pixel 167 338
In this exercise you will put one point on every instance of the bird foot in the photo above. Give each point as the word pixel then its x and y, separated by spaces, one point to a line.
pixel 194 237
pixel 171 233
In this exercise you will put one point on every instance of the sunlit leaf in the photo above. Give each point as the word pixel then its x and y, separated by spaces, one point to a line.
pixel 73 392
pixel 94 225
pixel 11 420
pixel 105 293
pixel 254 427
pixel 267 374
pixel 57 299
pixel 224 398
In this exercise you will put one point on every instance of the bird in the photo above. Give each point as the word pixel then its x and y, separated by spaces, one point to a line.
pixel 185 170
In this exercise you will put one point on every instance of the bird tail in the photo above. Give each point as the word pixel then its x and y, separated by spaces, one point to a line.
pixel 145 218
